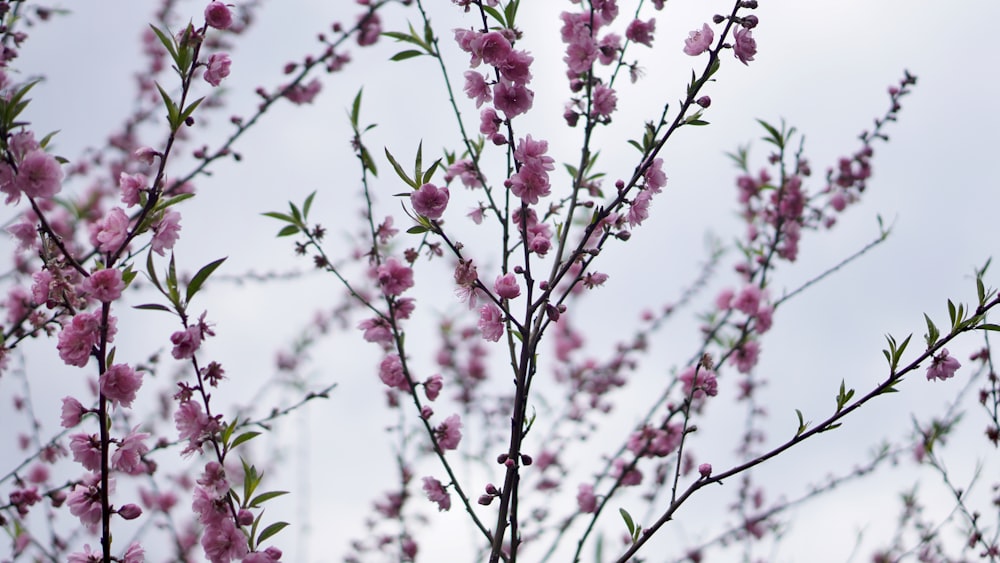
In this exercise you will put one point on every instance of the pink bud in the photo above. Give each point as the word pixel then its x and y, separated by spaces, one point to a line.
pixel 129 512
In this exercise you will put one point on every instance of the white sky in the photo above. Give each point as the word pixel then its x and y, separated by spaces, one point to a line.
pixel 823 67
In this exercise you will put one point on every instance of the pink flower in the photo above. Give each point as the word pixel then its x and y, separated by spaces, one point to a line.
pixel 112 230
pixel 128 455
pixel 376 330
pixel 131 186
pixel 745 357
pixel 134 553
pixel 705 470
pixel 605 101
pixel 942 366
pixel 186 342
pixel 39 175
pixel 449 432
pixel 724 299
pixel 437 493
pixel 699 41
pixel 303 94
pixel 166 231
pixel 432 387
pixel 641 32
pixel 585 499
pixel 224 542
pixel 42 283
pixel 491 322
pixel 104 285
pixel 493 48
pixel 394 277
pixel 705 384
pixel 191 424
pixel 217 15
pixel 72 411
pixel 85 500
pixel 627 478
pixel 506 286
pixel 120 383
pixel 85 556
pixel 371 29
pixel 78 338
pixel 745 47
pixel 217 68
pixel 477 88
pixel 511 98
pixel 86 450
pixel 430 201
pixel 214 479
pixel 391 373
pixel 748 300
pixel 489 125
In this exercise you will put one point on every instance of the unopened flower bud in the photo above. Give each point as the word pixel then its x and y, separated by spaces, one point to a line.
pixel 750 22
pixel 704 101
pixel 526 459
pixel 129 512
pixel 485 500
pixel 717 18
pixel 502 458
pixel 245 517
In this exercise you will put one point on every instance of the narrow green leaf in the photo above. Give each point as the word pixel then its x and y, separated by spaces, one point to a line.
pixel 199 279
pixel 417 229
pixel 399 170
pixel 279 216
pixel 152 307
pixel 167 40
pixel 171 108
pixel 244 437
pixel 407 54
pixel 264 497
pixel 307 205
pixel 288 230
pixel 151 271
pixel 628 520
pixel 190 109
pixel 270 531
pixel 356 109
pixel 493 13
pixel 989 326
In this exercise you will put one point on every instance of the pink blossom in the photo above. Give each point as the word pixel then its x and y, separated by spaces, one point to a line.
pixel 166 231
pixel 516 67
pixel 465 170
pixel 638 210
pixel 627 478
pixel 605 101
pixel 437 493
pixel 191 424
pixel 134 553
pixel 491 322
pixel 217 15
pixel 186 342
pixel 764 319
pixel 699 41
pixel 641 32
pixel 39 175
pixel 430 201
pixel 131 186
pixel 391 373
pixel 432 387
pixel 371 29
pixel 489 124
pixel 745 357
pixel 511 98
pixel 493 48
pixel 40 288
pixel 376 330
pixel 704 384
pixel 608 48
pixel 395 278
pixel 78 338
pixel 705 470
pixel 214 479
pixel 745 47
pixel 128 455
pixel 217 68
pixel 269 555
pixel 449 432
pixel 506 286
pixel 748 300
pixel 112 231
pixel 86 450
pixel 224 542
pixel 942 366
pixel 476 87
pixel 300 94
pixel 145 155
pixel 580 54
pixel 85 556
pixel 120 384
pixel 585 499
pixel 84 500
pixel 104 285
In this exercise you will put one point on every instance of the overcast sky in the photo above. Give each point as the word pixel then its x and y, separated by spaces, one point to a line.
pixel 823 67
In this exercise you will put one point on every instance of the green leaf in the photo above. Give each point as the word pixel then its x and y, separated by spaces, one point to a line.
pixel 270 531
pixel 190 109
pixel 417 229
pixel 171 108
pixel 288 230
pixel 199 279
pixel 989 326
pixel 167 40
pixel 802 424
pixel 279 216
pixel 227 432
pixel 493 13
pixel 698 122
pixel 407 54
pixel 932 332
pixel 628 520
pixel 152 307
pixel 356 109
pixel 264 497
pixel 244 437
pixel 307 205
pixel 399 170
pixel 430 172
pixel 151 271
